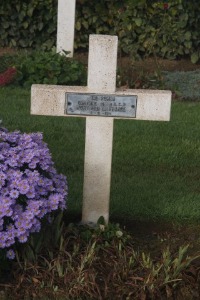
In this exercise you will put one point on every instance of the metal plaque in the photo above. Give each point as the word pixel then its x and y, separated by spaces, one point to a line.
pixel 101 105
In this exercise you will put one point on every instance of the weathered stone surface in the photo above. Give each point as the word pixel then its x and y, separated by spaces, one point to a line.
pixel 65 26
pixel 153 105
pixel 102 63
pixel 97 168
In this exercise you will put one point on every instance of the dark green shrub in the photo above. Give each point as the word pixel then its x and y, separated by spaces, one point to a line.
pixel 47 68
pixel 28 23
pixel 144 27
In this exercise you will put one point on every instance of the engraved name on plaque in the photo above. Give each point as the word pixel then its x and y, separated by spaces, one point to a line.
pixel 101 105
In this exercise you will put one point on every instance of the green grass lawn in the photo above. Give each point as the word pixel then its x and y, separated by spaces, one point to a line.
pixel 156 165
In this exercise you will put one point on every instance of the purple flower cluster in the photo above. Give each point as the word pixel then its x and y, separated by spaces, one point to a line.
pixel 30 187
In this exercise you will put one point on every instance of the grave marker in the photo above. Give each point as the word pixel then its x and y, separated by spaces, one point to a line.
pixel 100 103
pixel 65 26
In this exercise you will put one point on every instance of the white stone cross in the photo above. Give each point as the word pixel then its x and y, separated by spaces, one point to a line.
pixel 65 26
pixel 100 103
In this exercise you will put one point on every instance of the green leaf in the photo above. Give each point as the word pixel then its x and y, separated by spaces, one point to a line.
pixel 23 43
pixel 85 24
pixel 25 25
pixel 188 44
pixel 129 27
pixel 30 11
pixel 188 35
pixel 138 22
pixel 78 25
pixel 18 7
pixel 94 19
pixel 5 25
pixel 13 42
pixel 194 57
pixel 40 26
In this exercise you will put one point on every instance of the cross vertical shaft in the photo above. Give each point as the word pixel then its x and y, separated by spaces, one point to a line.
pixel 102 66
pixel 65 26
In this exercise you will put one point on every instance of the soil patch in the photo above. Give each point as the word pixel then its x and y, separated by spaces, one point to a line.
pixel 153 237
pixel 4 51
pixel 149 65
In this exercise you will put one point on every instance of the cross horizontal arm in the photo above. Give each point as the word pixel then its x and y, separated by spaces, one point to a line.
pixel 49 100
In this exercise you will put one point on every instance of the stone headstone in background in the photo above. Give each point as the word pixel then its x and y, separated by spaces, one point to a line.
pixel 65 26
pixel 100 103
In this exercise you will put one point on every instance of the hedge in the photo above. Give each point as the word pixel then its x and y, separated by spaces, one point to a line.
pixel 144 27
pixel 28 23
